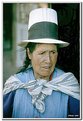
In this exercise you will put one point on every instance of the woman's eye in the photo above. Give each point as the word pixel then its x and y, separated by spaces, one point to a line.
pixel 41 53
pixel 53 52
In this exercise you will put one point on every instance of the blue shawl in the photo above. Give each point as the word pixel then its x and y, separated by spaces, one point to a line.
pixel 56 103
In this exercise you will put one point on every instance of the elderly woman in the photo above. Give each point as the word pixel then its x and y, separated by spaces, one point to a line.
pixel 40 90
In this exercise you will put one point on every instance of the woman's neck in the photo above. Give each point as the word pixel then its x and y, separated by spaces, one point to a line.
pixel 42 77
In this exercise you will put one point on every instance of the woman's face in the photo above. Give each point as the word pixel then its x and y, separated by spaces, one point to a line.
pixel 43 60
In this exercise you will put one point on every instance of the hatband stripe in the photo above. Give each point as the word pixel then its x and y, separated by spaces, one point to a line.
pixel 43 30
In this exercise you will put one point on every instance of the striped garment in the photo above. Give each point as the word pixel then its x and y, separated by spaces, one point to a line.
pixel 40 89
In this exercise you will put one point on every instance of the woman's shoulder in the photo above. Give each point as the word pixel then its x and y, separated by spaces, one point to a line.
pixel 57 72
pixel 24 76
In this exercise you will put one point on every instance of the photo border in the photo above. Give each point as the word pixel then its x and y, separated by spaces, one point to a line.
pixel 81 37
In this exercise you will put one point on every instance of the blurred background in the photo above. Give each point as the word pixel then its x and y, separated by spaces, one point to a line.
pixel 15 26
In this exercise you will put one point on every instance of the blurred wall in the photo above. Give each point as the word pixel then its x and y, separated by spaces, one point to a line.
pixel 15 24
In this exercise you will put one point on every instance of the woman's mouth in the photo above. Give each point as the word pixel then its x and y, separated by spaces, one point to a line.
pixel 46 67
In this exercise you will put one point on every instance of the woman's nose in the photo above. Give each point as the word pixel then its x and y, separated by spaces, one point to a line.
pixel 48 58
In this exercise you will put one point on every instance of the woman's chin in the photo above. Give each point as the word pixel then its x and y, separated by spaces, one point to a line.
pixel 45 75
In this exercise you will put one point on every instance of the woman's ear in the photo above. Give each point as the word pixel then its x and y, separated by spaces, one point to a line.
pixel 29 54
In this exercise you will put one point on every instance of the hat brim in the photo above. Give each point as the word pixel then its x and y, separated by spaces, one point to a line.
pixel 46 40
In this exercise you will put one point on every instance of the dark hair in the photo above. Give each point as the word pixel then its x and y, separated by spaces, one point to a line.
pixel 27 61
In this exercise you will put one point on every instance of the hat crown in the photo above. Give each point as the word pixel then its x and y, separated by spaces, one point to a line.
pixel 43 28
pixel 42 15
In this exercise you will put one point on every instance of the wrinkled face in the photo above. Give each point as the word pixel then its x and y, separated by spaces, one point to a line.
pixel 43 60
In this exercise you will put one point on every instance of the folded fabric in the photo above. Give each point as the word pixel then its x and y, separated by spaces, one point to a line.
pixel 39 89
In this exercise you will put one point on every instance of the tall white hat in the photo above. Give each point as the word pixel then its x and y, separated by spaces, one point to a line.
pixel 43 28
